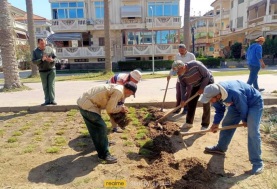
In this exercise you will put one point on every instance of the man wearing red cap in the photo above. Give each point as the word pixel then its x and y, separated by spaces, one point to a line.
pixel 255 61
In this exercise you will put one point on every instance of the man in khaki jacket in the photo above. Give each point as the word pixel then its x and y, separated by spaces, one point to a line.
pixel 91 103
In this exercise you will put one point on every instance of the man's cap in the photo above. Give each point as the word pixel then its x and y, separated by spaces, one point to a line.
pixel 260 39
pixel 210 91
pixel 131 86
pixel 136 75
pixel 183 46
pixel 178 64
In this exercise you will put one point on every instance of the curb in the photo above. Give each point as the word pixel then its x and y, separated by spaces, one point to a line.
pixel 63 108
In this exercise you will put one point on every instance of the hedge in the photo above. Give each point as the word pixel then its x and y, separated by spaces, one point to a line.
pixel 162 64
pixel 144 65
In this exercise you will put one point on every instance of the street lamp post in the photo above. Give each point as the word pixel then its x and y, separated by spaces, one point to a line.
pixel 153 50
pixel 192 36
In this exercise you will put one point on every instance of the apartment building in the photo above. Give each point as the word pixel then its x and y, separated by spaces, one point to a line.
pixel 79 30
pixel 242 21
pixel 203 28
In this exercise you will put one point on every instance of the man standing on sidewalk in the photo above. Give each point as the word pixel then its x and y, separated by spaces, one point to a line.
pixel 255 61
pixel 91 103
pixel 44 57
pixel 244 104
pixel 185 57
pixel 194 77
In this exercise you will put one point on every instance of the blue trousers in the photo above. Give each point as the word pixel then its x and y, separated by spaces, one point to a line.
pixel 253 76
pixel 253 125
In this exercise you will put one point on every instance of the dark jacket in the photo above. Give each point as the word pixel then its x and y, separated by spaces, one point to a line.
pixel 44 65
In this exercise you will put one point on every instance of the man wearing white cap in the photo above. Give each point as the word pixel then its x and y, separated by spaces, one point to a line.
pixel 121 79
pixel 245 105
pixel 255 62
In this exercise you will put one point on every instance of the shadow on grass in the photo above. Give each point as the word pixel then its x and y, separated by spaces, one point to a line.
pixel 64 169
pixel 82 144
pixel 15 115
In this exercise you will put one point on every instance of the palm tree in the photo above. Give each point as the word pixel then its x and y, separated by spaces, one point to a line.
pixel 7 45
pixel 108 61
pixel 32 38
pixel 187 24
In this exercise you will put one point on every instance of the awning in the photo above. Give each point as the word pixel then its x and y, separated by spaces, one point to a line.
pixel 64 37
pixel 130 11
pixel 254 35
pixel 20 32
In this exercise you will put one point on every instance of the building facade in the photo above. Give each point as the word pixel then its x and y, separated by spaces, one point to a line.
pixel 242 21
pixel 79 30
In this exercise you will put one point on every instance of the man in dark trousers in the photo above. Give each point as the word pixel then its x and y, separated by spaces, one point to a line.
pixel 244 104
pixel 194 77
pixel 44 57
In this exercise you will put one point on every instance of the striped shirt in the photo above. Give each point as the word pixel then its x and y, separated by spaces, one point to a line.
pixel 196 75
pixel 119 79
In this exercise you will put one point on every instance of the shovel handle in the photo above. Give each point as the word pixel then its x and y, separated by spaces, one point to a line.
pixel 208 130
pixel 168 113
pixel 165 95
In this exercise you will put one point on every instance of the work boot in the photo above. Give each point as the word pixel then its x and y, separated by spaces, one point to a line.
pixel 214 150
pixel 203 129
pixel 45 104
pixel 261 90
pixel 53 103
pixel 109 159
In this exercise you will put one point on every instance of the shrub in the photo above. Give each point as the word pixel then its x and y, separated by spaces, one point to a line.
pixel 210 62
pixel 236 50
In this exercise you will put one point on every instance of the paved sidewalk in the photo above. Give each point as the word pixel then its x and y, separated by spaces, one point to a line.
pixel 150 91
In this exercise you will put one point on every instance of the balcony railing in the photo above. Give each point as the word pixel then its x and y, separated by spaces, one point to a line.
pixel 20 25
pixel 204 41
pixel 74 52
pixel 164 22
pixel 225 14
pixel 159 49
pixel 225 32
pixel 69 25
pixel 43 34
pixel 256 21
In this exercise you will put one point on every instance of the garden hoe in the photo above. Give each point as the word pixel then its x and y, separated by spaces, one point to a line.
pixel 165 95
pixel 208 130
pixel 168 113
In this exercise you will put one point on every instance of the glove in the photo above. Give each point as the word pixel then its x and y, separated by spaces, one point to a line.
pixel 121 119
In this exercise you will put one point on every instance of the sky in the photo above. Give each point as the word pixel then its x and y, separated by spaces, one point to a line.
pixel 42 7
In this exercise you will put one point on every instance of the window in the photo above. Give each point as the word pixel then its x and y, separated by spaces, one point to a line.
pixel 99 9
pixel 232 4
pixel 240 1
pixel 67 10
pixel 101 41
pixel 163 8
pixel 38 30
pixel 240 22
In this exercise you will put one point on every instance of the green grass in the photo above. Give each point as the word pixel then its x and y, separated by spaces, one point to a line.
pixel 84 133
pixel 24 128
pixel 140 136
pixel 23 88
pixel 29 149
pixel 38 132
pixel 53 150
pixel 60 132
pixel 17 133
pixel 12 140
pixel 128 143
pixel 60 141
pixel 37 138
pixel 240 72
pixel 2 132
pixel 124 136
pixel 82 144
pixel 72 112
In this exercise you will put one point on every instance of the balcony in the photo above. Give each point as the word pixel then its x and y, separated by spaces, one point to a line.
pixel 204 41
pixel 69 25
pixel 165 22
pixel 270 18
pixel 146 50
pixel 43 34
pixel 225 15
pixel 256 21
pixel 225 32
pixel 77 52
pixel 20 25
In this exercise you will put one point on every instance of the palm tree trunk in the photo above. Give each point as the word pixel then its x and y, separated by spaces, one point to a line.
pixel 187 24
pixel 108 60
pixel 32 38
pixel 7 44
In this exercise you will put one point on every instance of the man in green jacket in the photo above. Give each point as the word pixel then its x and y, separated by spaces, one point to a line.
pixel 44 57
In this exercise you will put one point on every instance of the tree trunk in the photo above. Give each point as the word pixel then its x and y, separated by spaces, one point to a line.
pixel 7 44
pixel 108 61
pixel 32 37
pixel 187 24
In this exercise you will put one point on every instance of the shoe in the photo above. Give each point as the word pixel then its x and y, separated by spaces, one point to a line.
pixel 203 129
pixel 257 169
pixel 108 160
pixel 214 150
pixel 187 126
pixel 177 111
pixel 53 103
pixel 111 142
pixel 117 130
pixel 45 104
pixel 261 90
pixel 185 111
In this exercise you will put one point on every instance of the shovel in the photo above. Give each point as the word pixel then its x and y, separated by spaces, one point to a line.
pixel 168 113
pixel 165 95
pixel 208 130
